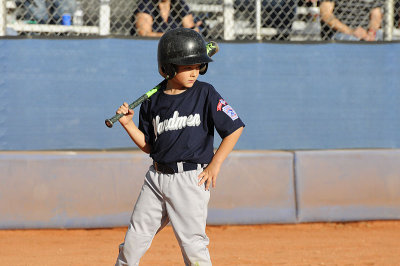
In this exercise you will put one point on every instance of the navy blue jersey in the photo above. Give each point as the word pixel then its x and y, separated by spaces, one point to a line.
pixel 180 128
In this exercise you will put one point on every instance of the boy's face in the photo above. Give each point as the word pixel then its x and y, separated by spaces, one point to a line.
pixel 186 75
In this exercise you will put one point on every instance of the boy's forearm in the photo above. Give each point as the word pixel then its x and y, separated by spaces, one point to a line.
pixel 137 136
pixel 226 146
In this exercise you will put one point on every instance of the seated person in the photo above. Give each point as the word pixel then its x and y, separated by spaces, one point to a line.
pixel 279 14
pixel 154 17
pixel 351 20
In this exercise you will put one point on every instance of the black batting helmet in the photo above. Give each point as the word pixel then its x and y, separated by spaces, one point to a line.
pixel 181 46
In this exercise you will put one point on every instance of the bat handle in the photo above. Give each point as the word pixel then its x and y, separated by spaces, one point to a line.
pixel 110 122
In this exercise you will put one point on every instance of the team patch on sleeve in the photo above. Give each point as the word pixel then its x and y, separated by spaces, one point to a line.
pixel 230 112
pixel 227 109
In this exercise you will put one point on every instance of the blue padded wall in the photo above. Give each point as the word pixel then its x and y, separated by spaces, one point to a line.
pixel 55 94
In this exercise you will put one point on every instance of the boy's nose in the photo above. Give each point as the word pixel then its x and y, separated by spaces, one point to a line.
pixel 193 73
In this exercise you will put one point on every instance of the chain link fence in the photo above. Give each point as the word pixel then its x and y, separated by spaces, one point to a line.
pixel 290 20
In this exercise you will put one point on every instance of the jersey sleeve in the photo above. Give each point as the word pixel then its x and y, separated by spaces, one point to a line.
pixel 224 117
pixel 145 124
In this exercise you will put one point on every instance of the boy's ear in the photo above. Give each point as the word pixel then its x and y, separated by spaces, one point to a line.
pixel 167 71
pixel 203 68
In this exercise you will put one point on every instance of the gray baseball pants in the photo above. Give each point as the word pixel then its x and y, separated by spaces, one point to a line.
pixel 166 198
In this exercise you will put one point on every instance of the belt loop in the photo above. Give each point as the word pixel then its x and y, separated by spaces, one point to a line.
pixel 180 167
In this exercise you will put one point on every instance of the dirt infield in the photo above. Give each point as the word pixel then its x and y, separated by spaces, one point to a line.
pixel 360 243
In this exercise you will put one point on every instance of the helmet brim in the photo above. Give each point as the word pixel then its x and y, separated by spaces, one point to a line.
pixel 192 60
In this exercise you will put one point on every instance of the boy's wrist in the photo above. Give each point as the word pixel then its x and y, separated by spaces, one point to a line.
pixel 216 161
pixel 128 124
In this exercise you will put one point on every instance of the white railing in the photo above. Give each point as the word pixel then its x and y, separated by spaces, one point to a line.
pixel 231 28
pixel 20 26
pixel 388 20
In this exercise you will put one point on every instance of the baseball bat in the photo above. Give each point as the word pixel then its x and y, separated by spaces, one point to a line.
pixel 212 49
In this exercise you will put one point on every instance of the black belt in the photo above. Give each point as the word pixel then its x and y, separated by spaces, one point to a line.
pixel 172 168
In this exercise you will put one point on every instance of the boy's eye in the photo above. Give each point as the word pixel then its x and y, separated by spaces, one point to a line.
pixel 191 67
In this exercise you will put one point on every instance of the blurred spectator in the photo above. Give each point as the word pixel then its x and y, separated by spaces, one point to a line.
pixel 308 3
pixel 154 17
pixel 48 11
pixel 280 15
pixel 351 20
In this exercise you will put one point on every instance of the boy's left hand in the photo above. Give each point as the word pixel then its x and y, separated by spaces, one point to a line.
pixel 209 175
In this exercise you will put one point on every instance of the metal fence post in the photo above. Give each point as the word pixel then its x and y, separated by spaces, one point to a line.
pixel 104 20
pixel 258 19
pixel 229 23
pixel 3 17
pixel 388 20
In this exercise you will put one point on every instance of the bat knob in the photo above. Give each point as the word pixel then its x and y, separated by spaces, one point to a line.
pixel 109 123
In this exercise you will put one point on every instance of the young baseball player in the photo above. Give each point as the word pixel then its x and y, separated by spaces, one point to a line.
pixel 176 127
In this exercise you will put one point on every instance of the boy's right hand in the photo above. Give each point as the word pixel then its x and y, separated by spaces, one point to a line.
pixel 128 114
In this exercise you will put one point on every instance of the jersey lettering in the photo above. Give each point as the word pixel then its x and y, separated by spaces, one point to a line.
pixel 176 122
